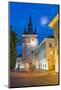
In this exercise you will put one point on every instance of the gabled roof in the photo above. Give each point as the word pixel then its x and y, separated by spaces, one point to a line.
pixel 51 24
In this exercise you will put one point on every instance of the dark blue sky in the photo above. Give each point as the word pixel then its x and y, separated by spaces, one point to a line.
pixel 41 14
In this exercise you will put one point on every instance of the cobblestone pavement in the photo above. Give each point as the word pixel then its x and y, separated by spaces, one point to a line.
pixel 35 78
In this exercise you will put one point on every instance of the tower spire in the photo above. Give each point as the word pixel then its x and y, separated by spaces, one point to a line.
pixel 30 25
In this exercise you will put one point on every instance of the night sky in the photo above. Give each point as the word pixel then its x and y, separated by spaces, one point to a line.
pixel 41 15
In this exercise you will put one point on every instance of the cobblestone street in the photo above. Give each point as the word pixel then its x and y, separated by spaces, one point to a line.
pixel 20 79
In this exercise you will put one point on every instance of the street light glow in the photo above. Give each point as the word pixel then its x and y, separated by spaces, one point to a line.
pixel 51 52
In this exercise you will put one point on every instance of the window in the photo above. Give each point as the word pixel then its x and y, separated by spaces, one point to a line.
pixel 50 45
pixel 27 51
pixel 45 66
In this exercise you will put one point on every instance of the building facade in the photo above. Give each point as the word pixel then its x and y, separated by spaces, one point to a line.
pixel 45 55
pixel 19 63
pixel 55 25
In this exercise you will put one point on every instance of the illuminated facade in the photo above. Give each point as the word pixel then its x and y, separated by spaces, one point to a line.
pixel 45 53
pixel 30 43
pixel 19 63
pixel 55 25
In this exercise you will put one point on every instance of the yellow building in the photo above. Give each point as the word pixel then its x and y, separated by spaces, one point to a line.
pixel 55 25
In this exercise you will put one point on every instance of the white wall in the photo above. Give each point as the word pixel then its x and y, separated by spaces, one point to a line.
pixel 44 62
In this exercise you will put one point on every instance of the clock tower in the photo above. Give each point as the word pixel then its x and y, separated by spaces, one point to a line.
pixel 30 43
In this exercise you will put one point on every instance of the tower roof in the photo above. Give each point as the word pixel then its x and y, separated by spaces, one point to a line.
pixel 30 28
